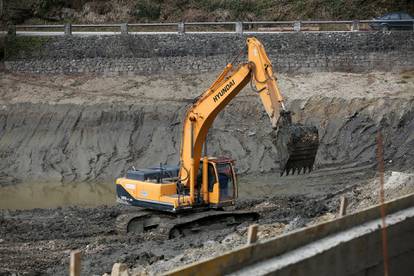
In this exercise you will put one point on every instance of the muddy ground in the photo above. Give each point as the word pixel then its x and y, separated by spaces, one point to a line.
pixel 38 241
pixel 86 129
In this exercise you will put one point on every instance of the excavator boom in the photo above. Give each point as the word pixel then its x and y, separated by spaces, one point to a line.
pixel 296 144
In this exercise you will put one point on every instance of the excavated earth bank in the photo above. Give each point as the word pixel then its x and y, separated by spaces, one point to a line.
pixel 91 129
pixel 79 134
pixel 80 143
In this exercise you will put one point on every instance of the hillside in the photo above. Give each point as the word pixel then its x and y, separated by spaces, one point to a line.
pixel 99 11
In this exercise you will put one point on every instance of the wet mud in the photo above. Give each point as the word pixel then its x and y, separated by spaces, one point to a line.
pixel 47 235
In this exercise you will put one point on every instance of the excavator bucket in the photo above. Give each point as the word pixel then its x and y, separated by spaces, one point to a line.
pixel 297 145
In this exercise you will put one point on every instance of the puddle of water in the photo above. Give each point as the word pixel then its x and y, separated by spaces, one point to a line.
pixel 51 195
pixel 85 194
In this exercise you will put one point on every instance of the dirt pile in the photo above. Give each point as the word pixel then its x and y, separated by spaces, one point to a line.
pixel 395 184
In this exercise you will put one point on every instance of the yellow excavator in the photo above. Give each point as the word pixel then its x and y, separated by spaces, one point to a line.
pixel 176 200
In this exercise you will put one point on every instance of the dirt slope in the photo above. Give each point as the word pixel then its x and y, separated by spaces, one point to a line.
pixel 82 134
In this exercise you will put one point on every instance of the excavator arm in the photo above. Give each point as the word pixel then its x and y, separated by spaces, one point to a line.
pixel 200 116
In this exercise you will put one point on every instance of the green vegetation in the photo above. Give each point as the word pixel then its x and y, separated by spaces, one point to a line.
pixel 43 7
pixel 89 11
pixel 27 46
pixel 149 9
pixel 169 10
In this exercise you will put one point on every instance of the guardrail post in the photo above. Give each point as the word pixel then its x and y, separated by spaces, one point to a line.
pixel 68 29
pixel 119 269
pixel 239 27
pixel 343 205
pixel 252 234
pixel 355 26
pixel 181 27
pixel 124 29
pixel 297 26
pixel 11 30
pixel 75 263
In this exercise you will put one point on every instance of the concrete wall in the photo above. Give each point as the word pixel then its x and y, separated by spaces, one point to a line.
pixel 350 245
pixel 357 252
pixel 189 53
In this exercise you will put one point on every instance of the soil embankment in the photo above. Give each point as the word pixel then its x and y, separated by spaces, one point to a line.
pixel 73 133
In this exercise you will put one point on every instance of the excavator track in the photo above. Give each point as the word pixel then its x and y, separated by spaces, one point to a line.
pixel 210 220
pixel 170 226
pixel 124 223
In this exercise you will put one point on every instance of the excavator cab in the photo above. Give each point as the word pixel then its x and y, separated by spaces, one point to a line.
pixel 222 182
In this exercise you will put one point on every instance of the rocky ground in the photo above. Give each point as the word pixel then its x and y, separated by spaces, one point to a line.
pixel 89 128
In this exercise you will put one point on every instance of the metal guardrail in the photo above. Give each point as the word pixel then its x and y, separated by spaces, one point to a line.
pixel 239 27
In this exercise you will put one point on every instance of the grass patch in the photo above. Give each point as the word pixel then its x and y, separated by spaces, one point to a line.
pixel 18 47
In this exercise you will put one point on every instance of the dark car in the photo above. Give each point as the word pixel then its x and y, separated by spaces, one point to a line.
pixel 395 21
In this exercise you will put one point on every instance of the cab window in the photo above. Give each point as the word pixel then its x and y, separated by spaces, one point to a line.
pixel 225 178
pixel 211 177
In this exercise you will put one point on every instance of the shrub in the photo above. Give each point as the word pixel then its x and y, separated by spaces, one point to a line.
pixel 148 9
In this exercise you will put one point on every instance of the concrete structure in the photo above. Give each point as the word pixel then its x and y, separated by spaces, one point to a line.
pixel 192 53
pixel 351 245
pixel 357 251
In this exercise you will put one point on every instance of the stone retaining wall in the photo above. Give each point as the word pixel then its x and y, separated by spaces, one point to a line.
pixel 189 53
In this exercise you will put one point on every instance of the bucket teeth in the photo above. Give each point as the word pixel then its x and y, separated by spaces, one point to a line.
pixel 297 146
pixel 294 170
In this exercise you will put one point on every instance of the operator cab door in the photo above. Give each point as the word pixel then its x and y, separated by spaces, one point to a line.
pixel 226 181
pixel 221 182
pixel 224 189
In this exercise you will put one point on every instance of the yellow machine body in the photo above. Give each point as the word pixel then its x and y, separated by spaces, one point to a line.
pixel 160 193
